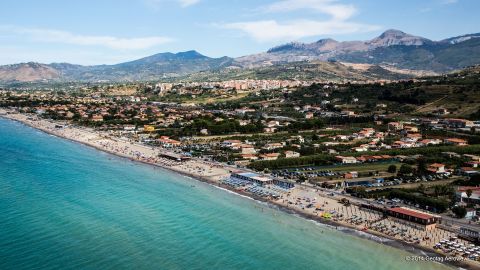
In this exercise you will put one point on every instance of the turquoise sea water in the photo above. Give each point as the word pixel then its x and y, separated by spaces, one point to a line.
pixel 67 206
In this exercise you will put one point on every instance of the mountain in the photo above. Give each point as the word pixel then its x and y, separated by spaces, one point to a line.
pixel 394 37
pixel 455 40
pixel 392 52
pixel 392 48
pixel 28 72
pixel 149 68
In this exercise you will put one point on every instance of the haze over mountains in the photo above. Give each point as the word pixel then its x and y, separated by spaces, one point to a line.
pixel 391 50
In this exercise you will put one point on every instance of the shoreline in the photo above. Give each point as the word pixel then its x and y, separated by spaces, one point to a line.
pixel 343 227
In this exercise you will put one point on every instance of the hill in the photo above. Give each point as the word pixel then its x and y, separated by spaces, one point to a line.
pixel 315 70
pixel 393 54
pixel 149 68
pixel 392 48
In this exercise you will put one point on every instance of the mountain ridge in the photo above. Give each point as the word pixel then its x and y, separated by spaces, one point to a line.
pixel 393 48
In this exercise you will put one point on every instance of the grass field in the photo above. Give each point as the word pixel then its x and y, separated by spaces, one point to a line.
pixel 365 167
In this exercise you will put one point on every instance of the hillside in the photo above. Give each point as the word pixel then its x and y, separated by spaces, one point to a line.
pixel 316 70
pixel 149 68
pixel 27 72
pixel 393 48
pixel 393 54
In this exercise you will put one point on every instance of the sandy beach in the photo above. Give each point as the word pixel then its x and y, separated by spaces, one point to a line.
pixel 307 202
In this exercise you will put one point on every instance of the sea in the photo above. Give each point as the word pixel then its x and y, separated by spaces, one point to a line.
pixel 64 205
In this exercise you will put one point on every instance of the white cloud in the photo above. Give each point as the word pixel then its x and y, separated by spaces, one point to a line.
pixel 331 7
pixel 187 3
pixel 271 30
pixel 183 3
pixel 274 30
pixel 57 36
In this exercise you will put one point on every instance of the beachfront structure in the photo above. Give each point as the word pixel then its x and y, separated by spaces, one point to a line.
pixel 413 218
pixel 261 180
pixel 416 218
pixel 252 177
pixel 470 234
pixel 174 156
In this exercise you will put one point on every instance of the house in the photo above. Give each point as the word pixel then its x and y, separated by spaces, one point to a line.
pixel 471 213
pixel 456 141
pixel 269 156
pixel 472 164
pixel 346 160
pixel 461 195
pixel 272 146
pixel 291 154
pixel 472 157
pixel 361 148
pixel 148 128
pixel 402 144
pixel 350 175
pixel 340 137
pixel 441 111
pixel 458 123
pixel 468 171
pixel 97 118
pixel 248 149
pixel 309 115
pixel 269 130
pixel 426 142
pixel 436 168
pixel 231 143
pixel 272 123
pixel 166 142
pixel 395 126
pixel 249 156
pixel 413 137
pixel 348 113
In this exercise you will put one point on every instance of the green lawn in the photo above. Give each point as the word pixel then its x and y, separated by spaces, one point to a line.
pixel 365 167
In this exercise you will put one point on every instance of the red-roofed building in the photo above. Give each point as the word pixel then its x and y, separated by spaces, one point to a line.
pixel 436 168
pixel 455 141
pixel 426 221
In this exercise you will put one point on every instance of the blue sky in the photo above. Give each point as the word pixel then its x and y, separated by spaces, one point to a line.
pixel 107 31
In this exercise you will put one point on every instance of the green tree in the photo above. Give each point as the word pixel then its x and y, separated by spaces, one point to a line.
pixel 392 169
pixel 459 211
pixel 421 166
pixel 405 169
pixel 421 188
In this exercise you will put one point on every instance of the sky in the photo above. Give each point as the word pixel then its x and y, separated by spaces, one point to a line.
pixel 91 32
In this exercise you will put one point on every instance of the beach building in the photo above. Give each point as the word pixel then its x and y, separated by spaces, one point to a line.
pixel 252 177
pixel 261 180
pixel 470 234
pixel 174 156
pixel 417 219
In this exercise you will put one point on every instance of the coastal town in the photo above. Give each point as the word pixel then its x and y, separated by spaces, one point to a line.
pixel 391 158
